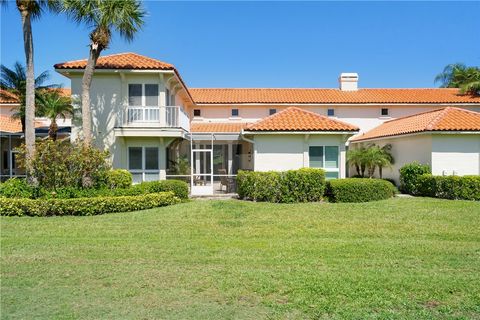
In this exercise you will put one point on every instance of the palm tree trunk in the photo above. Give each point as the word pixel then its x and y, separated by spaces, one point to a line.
pixel 86 84
pixel 30 81
pixel 380 171
pixel 52 130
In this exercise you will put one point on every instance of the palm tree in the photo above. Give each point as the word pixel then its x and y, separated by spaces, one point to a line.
pixel 376 156
pixel 14 82
pixel 103 16
pixel 356 158
pixel 52 105
pixel 460 76
pixel 31 9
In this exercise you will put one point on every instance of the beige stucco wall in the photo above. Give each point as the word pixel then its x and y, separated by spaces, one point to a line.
pixel 405 149
pixel 281 152
pixel 366 117
pixel 457 154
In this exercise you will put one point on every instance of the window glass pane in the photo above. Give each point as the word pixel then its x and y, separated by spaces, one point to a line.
pixel 331 175
pixel 134 94
pixel 234 112
pixel 196 112
pixel 151 158
pixel 331 112
pixel 272 111
pixel 135 158
pixel 151 95
pixel 316 157
pixel 331 157
pixel 384 111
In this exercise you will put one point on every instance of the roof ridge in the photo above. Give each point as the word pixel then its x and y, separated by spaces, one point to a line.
pixel 416 114
pixel 438 117
pixel 319 88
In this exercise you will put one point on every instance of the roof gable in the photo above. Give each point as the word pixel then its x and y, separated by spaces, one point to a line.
pixel 296 119
pixel 445 119
pixel 127 60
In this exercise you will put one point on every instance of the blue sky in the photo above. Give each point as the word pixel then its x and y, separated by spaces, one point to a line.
pixel 276 44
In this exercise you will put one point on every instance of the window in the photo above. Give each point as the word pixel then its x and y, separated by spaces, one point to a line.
pixel 235 113
pixel 197 113
pixel 143 95
pixel 272 111
pixel 330 112
pixel 325 157
pixel 143 163
pixel 384 111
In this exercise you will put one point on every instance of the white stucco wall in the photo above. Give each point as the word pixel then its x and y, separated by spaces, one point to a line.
pixel 280 152
pixel 457 154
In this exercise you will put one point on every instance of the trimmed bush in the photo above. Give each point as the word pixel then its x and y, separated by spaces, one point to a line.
pixel 359 190
pixel 303 185
pixel 409 174
pixel 84 206
pixel 119 179
pixel 449 187
pixel 16 188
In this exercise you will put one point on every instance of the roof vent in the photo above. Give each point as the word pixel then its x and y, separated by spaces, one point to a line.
pixel 348 81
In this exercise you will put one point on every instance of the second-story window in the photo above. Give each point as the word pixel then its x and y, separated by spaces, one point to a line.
pixel 384 111
pixel 235 113
pixel 331 112
pixel 197 113
pixel 143 95
pixel 272 111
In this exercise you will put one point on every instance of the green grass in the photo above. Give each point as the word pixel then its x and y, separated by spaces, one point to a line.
pixel 400 258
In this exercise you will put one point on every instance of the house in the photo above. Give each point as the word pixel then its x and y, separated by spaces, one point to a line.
pixel 446 139
pixel 11 133
pixel 158 128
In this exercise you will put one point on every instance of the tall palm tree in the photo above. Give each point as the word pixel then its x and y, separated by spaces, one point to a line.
pixel 103 16
pixel 14 82
pixel 52 104
pixel 458 75
pixel 30 10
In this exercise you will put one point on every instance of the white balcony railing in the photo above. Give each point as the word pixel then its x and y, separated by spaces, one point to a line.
pixel 162 117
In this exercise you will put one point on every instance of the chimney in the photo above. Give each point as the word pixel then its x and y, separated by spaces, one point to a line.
pixel 348 81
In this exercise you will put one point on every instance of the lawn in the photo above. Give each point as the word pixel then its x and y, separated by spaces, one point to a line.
pixel 400 258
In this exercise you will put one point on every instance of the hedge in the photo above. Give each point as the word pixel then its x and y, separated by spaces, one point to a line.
pixel 409 174
pixel 302 185
pixel 84 206
pixel 449 187
pixel 18 188
pixel 118 178
pixel 359 190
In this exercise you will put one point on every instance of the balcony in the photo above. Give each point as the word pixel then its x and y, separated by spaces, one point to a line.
pixel 153 121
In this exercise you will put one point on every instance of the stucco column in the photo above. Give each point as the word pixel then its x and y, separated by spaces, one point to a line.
pixel 162 101
pixel 162 160
pixel 343 158
pixel 306 162
pixel 230 157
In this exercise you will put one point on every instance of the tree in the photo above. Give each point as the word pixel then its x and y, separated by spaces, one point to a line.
pixel 14 82
pixel 52 104
pixel 457 75
pixel 31 9
pixel 369 158
pixel 103 16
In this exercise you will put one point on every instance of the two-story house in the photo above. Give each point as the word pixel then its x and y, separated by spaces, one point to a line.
pixel 158 128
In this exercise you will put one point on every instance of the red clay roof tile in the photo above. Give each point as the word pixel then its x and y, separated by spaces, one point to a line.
pixel 296 119
pixel 445 119
pixel 309 96
pixel 217 127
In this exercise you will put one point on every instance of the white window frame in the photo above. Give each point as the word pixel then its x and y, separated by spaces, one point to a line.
pixel 337 170
pixel 144 98
pixel 143 171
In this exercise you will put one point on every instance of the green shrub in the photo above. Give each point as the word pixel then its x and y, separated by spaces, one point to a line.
pixel 179 188
pixel 16 188
pixel 409 174
pixel 301 185
pixel 449 187
pixel 84 206
pixel 118 179
pixel 359 190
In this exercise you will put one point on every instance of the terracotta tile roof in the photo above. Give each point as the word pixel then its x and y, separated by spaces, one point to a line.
pixel 8 124
pixel 8 97
pixel 445 119
pixel 296 119
pixel 306 96
pixel 217 127
pixel 127 60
